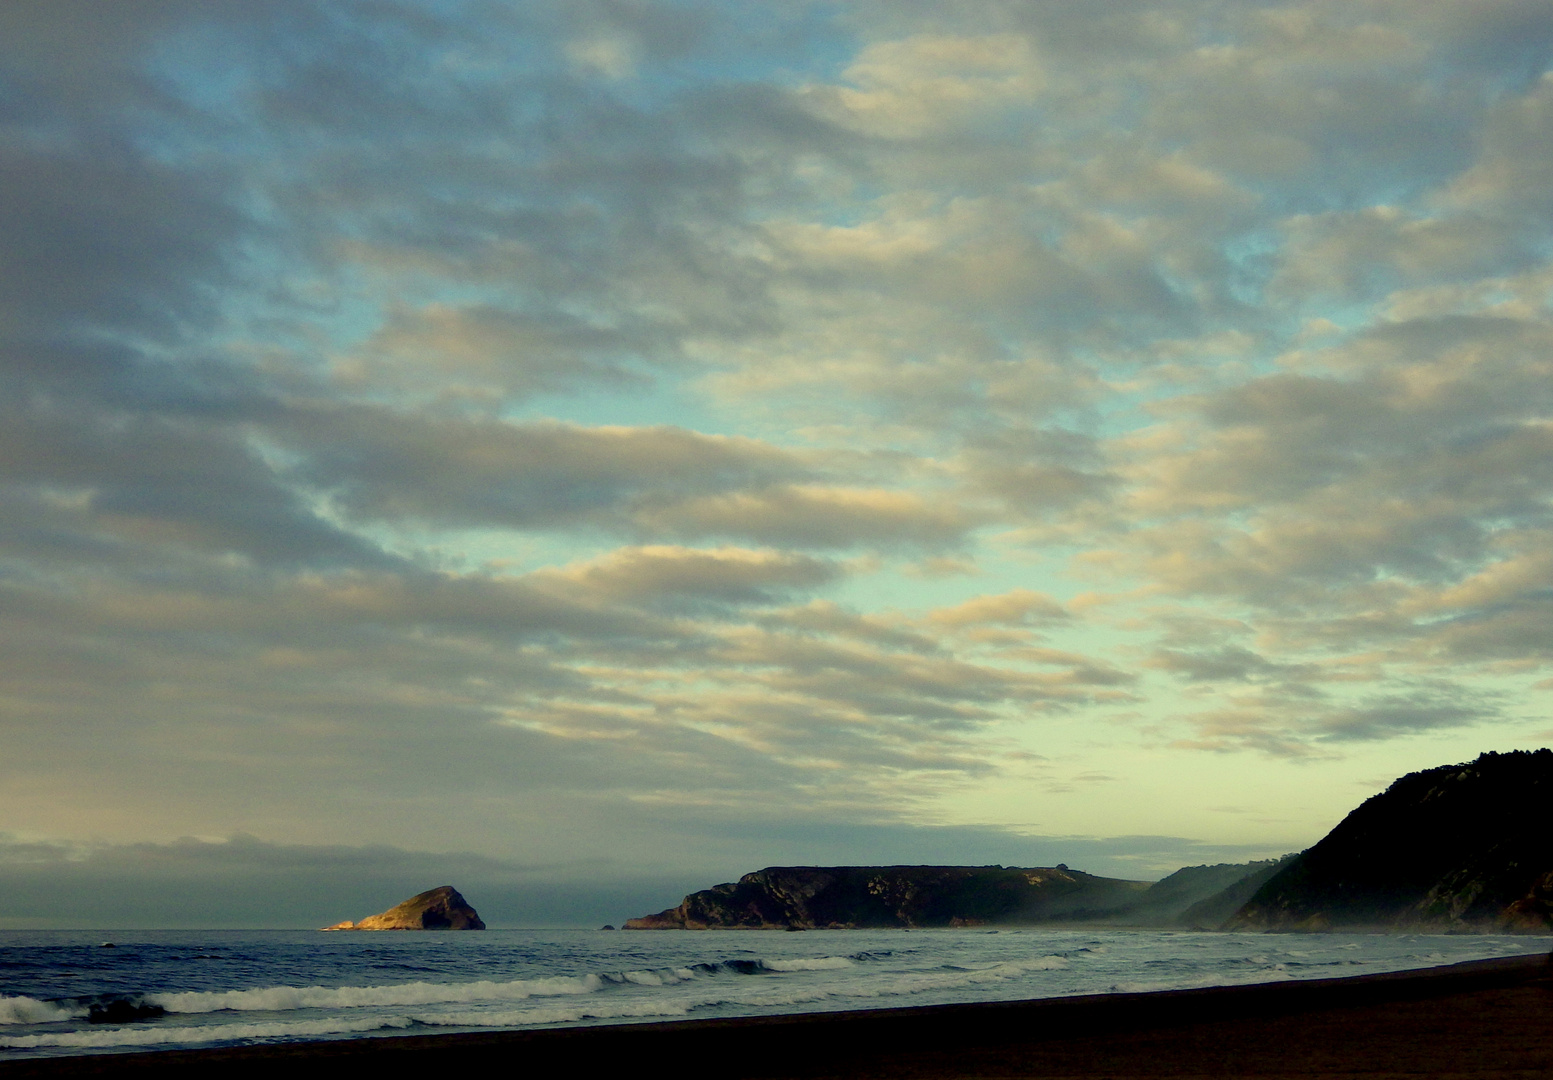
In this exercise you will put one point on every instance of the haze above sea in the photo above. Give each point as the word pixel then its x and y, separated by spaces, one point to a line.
pixel 67 992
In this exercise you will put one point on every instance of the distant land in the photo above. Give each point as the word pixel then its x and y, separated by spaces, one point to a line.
pixel 848 897
pixel 1461 848
pixel 442 908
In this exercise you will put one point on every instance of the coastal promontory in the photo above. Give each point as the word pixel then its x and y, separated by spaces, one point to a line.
pixel 442 908
pixel 836 897
pixel 1456 849
pixel 1459 848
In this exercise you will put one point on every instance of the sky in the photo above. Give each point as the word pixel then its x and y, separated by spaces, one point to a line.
pixel 584 451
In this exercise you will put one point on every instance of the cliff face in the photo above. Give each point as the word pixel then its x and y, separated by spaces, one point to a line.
pixel 442 908
pixel 1460 847
pixel 807 897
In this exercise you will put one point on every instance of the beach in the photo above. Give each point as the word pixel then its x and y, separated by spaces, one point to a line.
pixel 1475 1019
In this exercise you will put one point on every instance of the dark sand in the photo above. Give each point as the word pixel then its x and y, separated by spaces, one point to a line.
pixel 1486 1018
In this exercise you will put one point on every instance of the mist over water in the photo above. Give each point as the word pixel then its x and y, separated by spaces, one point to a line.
pixel 64 993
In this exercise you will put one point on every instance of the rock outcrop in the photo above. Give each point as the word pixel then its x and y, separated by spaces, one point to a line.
pixel 442 908
pixel 1464 848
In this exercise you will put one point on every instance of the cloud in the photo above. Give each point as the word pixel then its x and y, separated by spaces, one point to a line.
pixel 1402 464
pixel 1229 663
pixel 482 350
pixel 929 84
pixel 1513 172
pixel 1017 608
pixel 102 238
pixel 674 575
pixel 1420 711
pixel 811 515
pixel 651 482
pixel 1317 727
pixel 378 464
pixel 1358 253
pixel 645 420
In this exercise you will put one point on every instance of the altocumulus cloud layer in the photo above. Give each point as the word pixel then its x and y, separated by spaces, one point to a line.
pixel 617 441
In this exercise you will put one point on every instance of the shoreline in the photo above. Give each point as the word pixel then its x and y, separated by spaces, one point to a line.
pixel 1475 1018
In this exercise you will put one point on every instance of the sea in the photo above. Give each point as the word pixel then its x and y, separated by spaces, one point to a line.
pixel 75 992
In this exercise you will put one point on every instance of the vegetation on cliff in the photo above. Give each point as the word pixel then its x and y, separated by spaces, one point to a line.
pixel 1457 848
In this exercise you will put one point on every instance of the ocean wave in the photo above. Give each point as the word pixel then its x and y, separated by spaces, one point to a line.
pixel 202 1034
pixel 767 997
pixel 560 1014
pixel 768 966
pixel 657 977
pixel 1222 978
pixel 950 978
pixel 286 998
pixel 818 963
pixel 26 1010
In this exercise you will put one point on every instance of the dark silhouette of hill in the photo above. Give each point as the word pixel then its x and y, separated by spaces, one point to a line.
pixel 1458 848
pixel 1233 884
pixel 811 897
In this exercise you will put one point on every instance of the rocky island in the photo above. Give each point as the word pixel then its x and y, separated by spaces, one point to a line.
pixel 442 908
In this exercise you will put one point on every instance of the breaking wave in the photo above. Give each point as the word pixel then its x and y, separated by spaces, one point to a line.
pixel 26 1010
pixel 207 1033
pixel 286 998
pixel 821 963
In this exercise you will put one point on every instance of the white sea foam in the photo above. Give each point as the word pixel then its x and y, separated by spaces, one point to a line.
pixel 955 978
pixel 819 963
pixel 1243 978
pixel 559 1014
pixel 286 998
pixel 26 1010
pixel 659 977
pixel 103 1039
pixel 763 998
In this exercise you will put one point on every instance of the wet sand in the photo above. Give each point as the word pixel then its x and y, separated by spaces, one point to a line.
pixel 1479 1019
